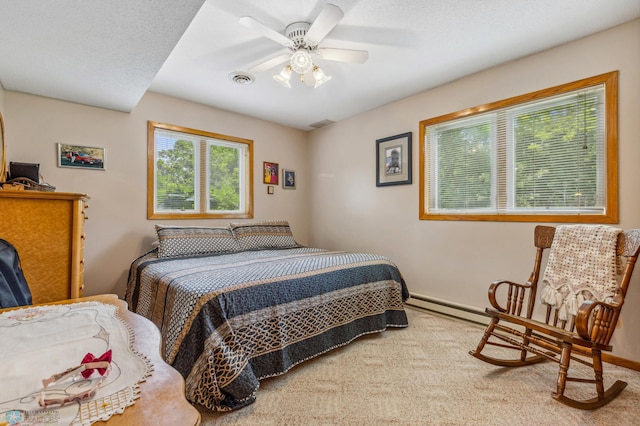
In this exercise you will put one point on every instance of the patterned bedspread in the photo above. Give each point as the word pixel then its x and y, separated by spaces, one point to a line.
pixel 229 320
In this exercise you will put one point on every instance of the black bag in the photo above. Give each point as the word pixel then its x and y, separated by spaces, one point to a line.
pixel 14 290
pixel 25 170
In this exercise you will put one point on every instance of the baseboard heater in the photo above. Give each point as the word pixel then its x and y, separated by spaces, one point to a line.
pixel 478 316
pixel 448 308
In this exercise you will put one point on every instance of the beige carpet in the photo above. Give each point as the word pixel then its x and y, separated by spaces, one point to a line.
pixel 423 375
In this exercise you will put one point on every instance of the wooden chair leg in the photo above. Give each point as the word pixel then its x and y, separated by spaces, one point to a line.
pixel 597 370
pixel 523 353
pixel 486 335
pixel 565 359
pixel 603 396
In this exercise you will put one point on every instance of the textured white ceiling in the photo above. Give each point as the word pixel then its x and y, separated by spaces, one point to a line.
pixel 107 53
pixel 99 53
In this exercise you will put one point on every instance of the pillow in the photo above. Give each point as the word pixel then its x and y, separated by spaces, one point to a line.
pixel 175 241
pixel 267 234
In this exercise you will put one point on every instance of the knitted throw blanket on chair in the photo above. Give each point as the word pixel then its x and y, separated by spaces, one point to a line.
pixel 581 266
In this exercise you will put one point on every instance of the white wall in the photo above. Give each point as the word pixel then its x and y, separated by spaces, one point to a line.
pixel 117 229
pixel 450 260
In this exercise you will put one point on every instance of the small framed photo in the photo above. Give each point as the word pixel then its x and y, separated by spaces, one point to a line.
pixel 393 160
pixel 80 157
pixel 3 159
pixel 288 179
pixel 270 172
pixel 270 189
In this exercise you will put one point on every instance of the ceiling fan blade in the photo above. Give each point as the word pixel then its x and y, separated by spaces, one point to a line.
pixel 324 23
pixel 344 55
pixel 270 63
pixel 263 30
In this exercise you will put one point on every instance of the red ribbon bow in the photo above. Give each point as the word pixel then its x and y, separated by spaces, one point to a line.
pixel 90 358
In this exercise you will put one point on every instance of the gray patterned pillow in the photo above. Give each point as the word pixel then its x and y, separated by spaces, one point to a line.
pixel 267 234
pixel 175 241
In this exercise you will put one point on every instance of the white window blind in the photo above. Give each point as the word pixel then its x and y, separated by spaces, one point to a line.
pixel 176 171
pixel 225 166
pixel 197 174
pixel 542 157
pixel 556 154
pixel 462 164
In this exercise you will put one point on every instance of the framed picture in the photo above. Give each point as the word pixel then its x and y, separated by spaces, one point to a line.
pixel 270 189
pixel 393 160
pixel 3 160
pixel 288 179
pixel 80 157
pixel 270 173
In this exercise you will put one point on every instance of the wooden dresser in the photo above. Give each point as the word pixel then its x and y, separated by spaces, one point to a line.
pixel 47 229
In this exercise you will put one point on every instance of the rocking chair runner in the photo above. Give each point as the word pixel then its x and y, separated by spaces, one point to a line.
pixel 579 337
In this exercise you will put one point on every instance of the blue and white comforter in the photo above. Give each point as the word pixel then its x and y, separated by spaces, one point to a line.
pixel 229 320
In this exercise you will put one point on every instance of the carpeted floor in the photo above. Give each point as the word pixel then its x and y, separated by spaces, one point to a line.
pixel 423 375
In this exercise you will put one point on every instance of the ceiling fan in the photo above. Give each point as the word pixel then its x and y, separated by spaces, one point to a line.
pixel 302 40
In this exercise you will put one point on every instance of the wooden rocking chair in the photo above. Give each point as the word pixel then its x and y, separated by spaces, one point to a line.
pixel 580 338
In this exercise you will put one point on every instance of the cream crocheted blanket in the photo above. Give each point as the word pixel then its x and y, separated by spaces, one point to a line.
pixel 581 266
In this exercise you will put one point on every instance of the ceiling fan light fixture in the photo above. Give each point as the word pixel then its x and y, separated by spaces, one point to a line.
pixel 284 76
pixel 320 77
pixel 302 39
pixel 301 61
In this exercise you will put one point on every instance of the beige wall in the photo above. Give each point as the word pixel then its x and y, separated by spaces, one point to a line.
pixel 337 204
pixel 118 230
pixel 455 261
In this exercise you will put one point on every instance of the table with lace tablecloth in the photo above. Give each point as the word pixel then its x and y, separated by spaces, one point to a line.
pixel 39 341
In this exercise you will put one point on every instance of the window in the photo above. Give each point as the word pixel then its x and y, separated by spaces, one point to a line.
pixel 547 156
pixel 196 174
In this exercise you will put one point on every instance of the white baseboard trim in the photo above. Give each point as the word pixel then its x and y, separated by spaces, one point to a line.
pixel 448 308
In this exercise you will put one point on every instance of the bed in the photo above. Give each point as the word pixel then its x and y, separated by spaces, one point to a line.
pixel 236 305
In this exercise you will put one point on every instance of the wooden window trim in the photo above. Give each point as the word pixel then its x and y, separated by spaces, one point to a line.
pixel 151 214
pixel 610 80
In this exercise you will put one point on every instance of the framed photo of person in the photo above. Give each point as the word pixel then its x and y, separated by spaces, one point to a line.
pixel 270 173
pixel 288 179
pixel 393 160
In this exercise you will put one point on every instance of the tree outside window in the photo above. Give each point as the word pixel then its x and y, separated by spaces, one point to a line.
pixel 548 156
pixel 197 174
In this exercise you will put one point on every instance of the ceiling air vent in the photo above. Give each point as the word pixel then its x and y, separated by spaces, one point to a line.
pixel 240 77
pixel 321 124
